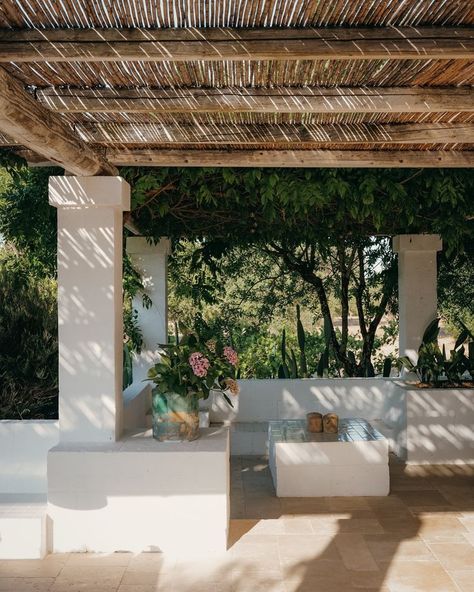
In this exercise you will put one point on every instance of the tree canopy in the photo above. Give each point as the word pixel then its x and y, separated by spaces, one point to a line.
pixel 242 206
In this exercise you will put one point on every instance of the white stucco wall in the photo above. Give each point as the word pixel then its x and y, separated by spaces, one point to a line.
pixel 440 426
pixel 423 425
pixel 381 400
pixel 264 400
pixel 23 453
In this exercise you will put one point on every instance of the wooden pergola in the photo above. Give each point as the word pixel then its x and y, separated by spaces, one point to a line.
pixel 91 85
pixel 94 85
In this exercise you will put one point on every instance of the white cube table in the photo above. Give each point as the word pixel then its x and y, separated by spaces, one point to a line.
pixel 350 463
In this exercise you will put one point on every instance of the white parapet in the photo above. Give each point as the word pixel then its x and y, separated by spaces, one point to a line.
pixel 440 426
pixel 379 400
pixel 141 495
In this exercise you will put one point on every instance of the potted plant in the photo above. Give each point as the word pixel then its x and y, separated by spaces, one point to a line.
pixel 434 368
pixel 188 371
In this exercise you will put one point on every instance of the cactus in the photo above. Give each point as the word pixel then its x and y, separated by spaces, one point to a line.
pixel 293 365
pixel 283 370
pixel 301 342
pixel 323 365
pixel 387 367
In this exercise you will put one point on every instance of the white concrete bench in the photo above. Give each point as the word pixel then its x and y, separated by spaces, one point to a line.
pixel 23 526
pixel 353 462
pixel 138 494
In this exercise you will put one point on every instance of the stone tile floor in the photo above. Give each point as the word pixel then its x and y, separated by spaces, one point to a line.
pixel 418 539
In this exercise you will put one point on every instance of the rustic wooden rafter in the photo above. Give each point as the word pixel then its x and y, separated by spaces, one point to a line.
pixel 28 123
pixel 98 45
pixel 294 158
pixel 258 100
pixel 248 134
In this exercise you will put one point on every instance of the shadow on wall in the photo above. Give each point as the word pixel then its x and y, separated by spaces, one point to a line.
pixel 264 400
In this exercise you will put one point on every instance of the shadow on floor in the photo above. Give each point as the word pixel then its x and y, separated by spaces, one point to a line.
pixel 419 539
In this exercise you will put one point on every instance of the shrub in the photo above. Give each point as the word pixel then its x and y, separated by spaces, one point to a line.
pixel 28 341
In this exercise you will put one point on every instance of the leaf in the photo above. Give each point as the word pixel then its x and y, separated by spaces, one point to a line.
pixel 431 332
pixel 462 338
pixel 407 363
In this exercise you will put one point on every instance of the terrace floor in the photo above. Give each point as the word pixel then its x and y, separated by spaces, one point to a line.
pixel 420 538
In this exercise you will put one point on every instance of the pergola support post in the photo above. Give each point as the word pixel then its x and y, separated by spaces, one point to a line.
pixel 417 288
pixel 90 211
pixel 151 261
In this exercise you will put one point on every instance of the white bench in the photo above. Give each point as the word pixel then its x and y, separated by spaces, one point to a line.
pixel 23 526
pixel 353 462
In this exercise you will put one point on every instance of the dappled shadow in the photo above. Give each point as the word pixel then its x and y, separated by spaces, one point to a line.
pixel 416 539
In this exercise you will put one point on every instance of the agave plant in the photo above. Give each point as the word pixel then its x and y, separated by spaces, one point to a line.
pixel 289 367
pixel 434 367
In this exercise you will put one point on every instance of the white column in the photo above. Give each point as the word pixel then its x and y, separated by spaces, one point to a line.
pixel 90 305
pixel 417 287
pixel 151 261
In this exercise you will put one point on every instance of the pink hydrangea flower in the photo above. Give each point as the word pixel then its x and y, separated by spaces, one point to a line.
pixel 199 363
pixel 231 355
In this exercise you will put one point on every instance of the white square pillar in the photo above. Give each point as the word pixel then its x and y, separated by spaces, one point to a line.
pixel 151 261
pixel 90 305
pixel 417 288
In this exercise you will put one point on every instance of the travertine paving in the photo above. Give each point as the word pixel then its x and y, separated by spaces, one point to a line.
pixel 418 539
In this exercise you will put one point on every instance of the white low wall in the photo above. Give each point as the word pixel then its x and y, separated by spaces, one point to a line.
pixel 24 444
pixel 23 453
pixel 270 399
pixel 440 426
pixel 423 425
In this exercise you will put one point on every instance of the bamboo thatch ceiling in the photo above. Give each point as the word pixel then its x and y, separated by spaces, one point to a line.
pixel 233 13
pixel 277 75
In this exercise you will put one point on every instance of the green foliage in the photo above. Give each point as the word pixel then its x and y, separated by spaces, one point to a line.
pixel 244 206
pixel 11 167
pixel 127 370
pixel 27 221
pixel 456 287
pixel 433 366
pixel 174 373
pixel 28 341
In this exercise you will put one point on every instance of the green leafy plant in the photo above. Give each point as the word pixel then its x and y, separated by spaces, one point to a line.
pixel 192 366
pixel 434 367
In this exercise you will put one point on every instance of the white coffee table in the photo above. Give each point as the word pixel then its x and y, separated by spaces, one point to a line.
pixel 351 463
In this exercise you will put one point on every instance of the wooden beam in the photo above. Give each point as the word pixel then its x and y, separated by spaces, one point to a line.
pixel 30 124
pixel 259 100
pixel 159 133
pixel 111 45
pixel 294 158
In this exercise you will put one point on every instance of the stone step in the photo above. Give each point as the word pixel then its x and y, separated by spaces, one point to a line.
pixel 23 526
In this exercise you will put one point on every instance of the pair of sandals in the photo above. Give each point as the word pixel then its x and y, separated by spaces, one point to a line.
pixel 317 423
